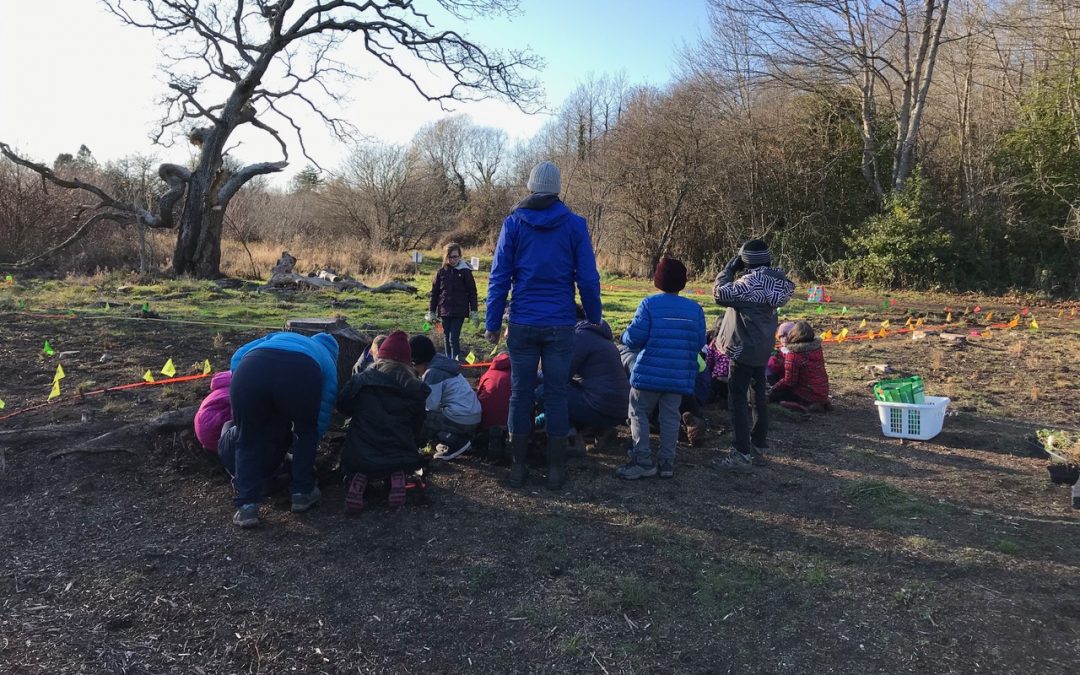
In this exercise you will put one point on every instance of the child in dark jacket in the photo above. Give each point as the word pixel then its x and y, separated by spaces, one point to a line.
pixel 805 385
pixel 453 299
pixel 385 402
pixel 747 336
pixel 668 333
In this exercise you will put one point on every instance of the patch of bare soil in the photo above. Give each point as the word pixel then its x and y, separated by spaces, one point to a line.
pixel 848 553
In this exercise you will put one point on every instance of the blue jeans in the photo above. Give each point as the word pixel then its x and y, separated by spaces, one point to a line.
pixel 529 346
pixel 272 389
pixel 451 326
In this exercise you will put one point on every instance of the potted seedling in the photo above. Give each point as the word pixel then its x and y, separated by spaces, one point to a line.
pixel 1064 451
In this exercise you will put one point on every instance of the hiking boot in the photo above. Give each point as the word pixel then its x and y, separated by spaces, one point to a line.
pixel 734 461
pixel 452 445
pixel 757 456
pixel 556 463
pixel 303 501
pixel 354 495
pixel 609 438
pixel 695 428
pixel 247 516
pixel 396 499
pixel 666 468
pixel 519 453
pixel 575 445
pixel 633 470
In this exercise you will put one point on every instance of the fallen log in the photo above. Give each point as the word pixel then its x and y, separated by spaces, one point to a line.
pixel 124 438
pixel 283 276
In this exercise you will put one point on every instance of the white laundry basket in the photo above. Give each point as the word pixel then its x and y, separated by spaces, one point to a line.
pixel 917 421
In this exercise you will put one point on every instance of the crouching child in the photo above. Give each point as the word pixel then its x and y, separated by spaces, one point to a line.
pixel 805 385
pixel 453 410
pixel 385 402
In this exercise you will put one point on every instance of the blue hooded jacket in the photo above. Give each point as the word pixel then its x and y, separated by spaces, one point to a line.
pixel 543 250
pixel 323 348
pixel 668 331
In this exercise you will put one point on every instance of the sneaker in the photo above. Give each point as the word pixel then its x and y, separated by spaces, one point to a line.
pixel 633 470
pixel 354 495
pixel 733 461
pixel 452 445
pixel 695 428
pixel 247 516
pixel 666 468
pixel 303 501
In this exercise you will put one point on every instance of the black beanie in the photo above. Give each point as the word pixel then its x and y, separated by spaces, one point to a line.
pixel 755 253
pixel 423 349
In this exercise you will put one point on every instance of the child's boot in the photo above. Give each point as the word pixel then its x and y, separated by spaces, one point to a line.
pixel 556 463
pixel 519 451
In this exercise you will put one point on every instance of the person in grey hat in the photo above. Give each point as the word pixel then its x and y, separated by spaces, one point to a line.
pixel 544 249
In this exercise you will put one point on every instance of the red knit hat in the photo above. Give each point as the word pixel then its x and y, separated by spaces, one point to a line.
pixel 670 275
pixel 396 348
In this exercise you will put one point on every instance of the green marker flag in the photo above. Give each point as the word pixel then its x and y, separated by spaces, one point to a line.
pixel 48 349
pixel 701 365
pixel 427 326
pixel 2 404
pixel 820 309
pixel 9 279
pixel 884 304
pixel 146 307
pixel 844 310
pixel 107 308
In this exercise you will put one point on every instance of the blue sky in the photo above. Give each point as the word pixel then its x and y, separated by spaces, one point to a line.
pixel 88 79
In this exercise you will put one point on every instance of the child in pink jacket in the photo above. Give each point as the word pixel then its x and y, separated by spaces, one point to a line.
pixel 214 412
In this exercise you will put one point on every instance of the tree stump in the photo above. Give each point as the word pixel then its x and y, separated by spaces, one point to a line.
pixel 351 343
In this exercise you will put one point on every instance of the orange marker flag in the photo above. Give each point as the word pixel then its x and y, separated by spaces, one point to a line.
pixel 918 322
pixel 882 333
pixel 827 335
pixel 989 315
pixel 1015 322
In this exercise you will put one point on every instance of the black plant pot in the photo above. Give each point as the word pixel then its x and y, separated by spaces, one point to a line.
pixel 1063 474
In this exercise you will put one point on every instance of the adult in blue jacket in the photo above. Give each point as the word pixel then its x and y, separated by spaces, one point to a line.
pixel 544 249
pixel 280 381
pixel 667 332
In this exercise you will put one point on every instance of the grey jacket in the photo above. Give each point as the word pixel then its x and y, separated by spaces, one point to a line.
pixel 451 394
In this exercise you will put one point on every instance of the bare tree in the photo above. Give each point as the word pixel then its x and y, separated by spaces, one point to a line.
pixel 885 49
pixel 271 58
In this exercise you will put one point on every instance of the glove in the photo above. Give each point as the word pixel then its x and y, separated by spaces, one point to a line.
pixel 492 336
pixel 475 316
pixel 429 317
pixel 733 267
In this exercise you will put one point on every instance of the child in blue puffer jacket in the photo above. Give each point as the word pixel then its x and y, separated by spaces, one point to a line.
pixel 280 381
pixel 668 333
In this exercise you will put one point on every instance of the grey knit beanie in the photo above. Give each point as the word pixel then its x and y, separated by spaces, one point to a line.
pixel 755 253
pixel 544 178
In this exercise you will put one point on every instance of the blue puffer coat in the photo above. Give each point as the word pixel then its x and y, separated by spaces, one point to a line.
pixel 669 332
pixel 598 370
pixel 543 250
pixel 323 348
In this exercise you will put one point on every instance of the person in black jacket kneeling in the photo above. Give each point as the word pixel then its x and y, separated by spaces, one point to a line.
pixel 386 404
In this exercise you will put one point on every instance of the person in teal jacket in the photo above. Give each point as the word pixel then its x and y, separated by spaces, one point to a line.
pixel 280 381
pixel 667 332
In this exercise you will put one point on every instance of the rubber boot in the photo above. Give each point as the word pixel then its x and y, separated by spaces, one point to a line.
pixel 519 451
pixel 556 463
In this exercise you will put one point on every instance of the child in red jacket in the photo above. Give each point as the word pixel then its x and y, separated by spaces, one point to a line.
pixel 805 385
pixel 494 394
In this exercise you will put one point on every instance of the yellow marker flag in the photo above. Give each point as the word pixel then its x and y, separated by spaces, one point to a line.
pixel 918 322
pixel 1061 313
pixel 55 390
pixel 206 367
pixel 882 333
pixel 909 322
pixel 1034 325
pixel 948 318
pixel 827 335
pixel 989 315
pixel 148 376
pixel 59 373
pixel 863 324
pixel 168 370
pixel 1072 313
pixel 987 334
pixel 2 404
pixel 470 358
pixel 885 323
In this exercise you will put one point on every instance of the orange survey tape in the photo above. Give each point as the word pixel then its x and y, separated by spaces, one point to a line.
pixel 119 387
